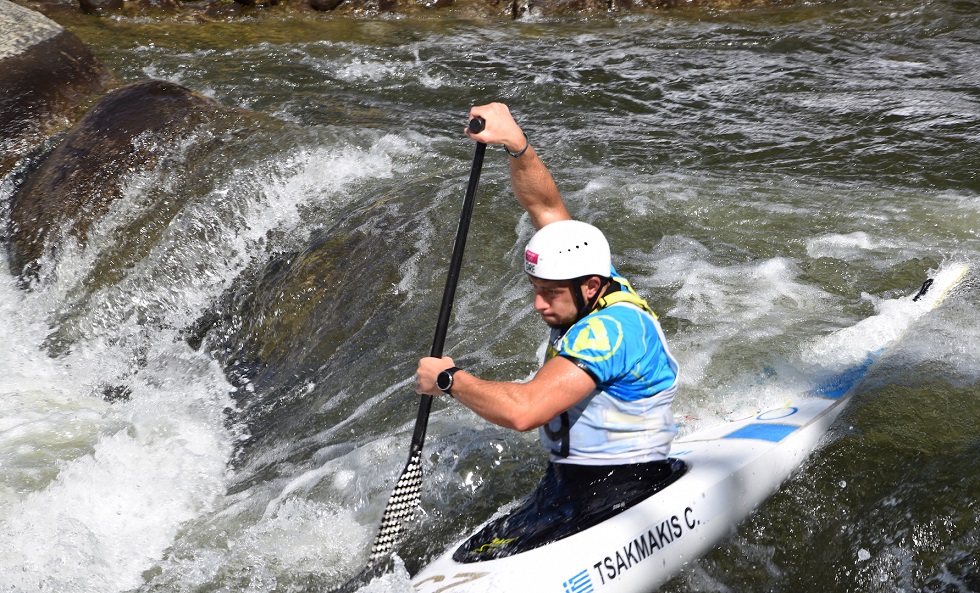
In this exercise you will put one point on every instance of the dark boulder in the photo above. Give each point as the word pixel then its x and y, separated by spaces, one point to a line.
pixel 100 6
pixel 127 131
pixel 325 4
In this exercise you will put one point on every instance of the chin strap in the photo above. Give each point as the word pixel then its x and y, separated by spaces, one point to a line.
pixel 619 291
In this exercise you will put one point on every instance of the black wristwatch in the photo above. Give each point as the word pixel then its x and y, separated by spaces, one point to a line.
pixel 444 380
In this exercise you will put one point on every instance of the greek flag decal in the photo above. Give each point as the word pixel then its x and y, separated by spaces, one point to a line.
pixel 580 583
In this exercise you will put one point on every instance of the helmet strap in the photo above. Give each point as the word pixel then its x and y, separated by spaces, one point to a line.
pixel 583 307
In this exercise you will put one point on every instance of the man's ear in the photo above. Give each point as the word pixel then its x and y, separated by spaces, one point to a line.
pixel 592 286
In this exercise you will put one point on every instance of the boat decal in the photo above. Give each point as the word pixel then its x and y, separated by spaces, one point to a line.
pixel 494 544
pixel 580 583
pixel 455 581
pixel 763 431
pixel 655 538
pixel 778 413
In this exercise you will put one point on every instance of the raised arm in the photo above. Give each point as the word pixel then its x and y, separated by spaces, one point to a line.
pixel 530 179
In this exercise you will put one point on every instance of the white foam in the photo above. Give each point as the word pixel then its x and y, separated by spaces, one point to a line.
pixel 94 493
pixel 852 345
pixel 731 305
pixel 846 246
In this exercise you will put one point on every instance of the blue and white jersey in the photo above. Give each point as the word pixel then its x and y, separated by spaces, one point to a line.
pixel 628 418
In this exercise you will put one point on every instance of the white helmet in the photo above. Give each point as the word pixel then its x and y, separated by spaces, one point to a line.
pixel 566 250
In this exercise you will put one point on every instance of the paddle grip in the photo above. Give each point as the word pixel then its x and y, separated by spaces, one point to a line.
pixel 477 125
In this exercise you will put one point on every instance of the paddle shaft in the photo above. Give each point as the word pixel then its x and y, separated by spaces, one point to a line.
pixel 452 277
pixel 407 493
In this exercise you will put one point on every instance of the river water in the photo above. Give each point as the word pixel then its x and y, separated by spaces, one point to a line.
pixel 765 177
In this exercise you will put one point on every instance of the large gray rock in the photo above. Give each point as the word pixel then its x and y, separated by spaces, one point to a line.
pixel 46 74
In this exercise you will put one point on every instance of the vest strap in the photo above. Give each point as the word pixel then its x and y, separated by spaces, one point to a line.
pixel 624 296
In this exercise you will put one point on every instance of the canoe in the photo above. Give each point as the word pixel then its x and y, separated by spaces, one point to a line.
pixel 731 468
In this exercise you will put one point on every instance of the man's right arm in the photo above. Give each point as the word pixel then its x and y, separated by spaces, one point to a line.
pixel 556 387
pixel 531 181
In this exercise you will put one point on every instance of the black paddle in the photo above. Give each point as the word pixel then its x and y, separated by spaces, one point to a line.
pixel 406 497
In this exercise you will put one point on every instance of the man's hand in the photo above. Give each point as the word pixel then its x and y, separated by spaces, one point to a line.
pixel 501 129
pixel 429 369
pixel 533 185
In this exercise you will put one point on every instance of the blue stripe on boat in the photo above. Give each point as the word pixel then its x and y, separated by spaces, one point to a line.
pixel 838 386
pixel 763 432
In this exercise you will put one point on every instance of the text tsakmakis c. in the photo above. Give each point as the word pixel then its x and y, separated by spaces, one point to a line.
pixel 655 538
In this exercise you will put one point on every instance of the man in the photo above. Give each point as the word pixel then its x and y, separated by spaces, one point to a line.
pixel 601 400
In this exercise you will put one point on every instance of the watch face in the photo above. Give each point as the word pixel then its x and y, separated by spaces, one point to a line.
pixel 444 380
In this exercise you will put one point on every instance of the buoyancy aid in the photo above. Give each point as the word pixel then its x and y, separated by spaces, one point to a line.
pixel 604 428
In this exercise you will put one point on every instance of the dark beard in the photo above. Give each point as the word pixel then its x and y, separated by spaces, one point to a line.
pixel 564 327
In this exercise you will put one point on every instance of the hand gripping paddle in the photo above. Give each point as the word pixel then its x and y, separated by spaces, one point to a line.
pixel 406 497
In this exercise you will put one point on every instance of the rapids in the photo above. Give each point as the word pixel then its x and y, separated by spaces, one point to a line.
pixel 766 177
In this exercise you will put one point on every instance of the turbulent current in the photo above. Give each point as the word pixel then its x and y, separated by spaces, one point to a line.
pixel 765 176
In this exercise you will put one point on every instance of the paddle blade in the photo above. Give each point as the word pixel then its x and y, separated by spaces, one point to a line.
pixel 405 499
pixel 363 578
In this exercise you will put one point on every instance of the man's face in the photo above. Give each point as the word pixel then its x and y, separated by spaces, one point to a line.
pixel 554 302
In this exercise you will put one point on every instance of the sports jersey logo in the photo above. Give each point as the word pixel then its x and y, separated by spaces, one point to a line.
pixel 598 340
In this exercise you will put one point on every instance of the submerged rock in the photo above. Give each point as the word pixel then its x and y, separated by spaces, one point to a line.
pixel 290 323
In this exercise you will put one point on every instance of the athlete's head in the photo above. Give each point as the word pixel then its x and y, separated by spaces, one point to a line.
pixel 569 263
